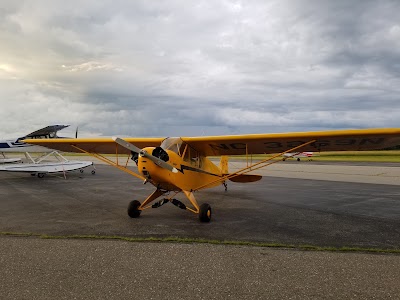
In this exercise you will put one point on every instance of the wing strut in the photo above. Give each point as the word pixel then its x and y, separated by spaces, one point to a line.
pixel 253 167
pixel 110 162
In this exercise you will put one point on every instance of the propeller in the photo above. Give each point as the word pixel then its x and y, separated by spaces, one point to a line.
pixel 76 132
pixel 141 152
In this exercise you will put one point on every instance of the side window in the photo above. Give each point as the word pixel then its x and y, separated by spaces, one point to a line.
pixel 192 157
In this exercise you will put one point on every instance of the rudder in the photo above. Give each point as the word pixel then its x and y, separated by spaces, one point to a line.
pixel 223 164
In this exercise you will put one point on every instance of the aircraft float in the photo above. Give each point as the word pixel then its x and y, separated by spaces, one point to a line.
pixel 177 165
pixel 38 165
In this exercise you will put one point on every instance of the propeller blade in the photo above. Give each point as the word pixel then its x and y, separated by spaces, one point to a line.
pixel 76 132
pixel 141 152
pixel 126 145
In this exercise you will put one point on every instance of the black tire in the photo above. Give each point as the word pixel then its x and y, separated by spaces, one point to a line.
pixel 81 170
pixel 298 159
pixel 93 172
pixel 40 175
pixel 133 210
pixel 205 213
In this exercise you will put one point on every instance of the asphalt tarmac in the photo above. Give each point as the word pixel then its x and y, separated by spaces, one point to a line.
pixel 290 205
pixel 274 210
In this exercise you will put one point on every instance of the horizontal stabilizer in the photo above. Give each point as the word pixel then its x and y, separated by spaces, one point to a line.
pixel 245 178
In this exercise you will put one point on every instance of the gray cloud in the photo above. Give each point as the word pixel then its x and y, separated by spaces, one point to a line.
pixel 199 68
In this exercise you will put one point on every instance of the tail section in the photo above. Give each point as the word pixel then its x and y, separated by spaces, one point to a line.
pixel 245 178
pixel 223 165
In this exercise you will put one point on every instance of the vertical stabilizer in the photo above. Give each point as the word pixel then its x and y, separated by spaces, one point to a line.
pixel 223 164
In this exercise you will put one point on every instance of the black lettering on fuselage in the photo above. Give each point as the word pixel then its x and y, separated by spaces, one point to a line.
pixel 219 147
pixel 371 141
pixel 234 146
pixel 293 144
pixel 238 146
pixel 345 142
pixel 273 145
pixel 320 144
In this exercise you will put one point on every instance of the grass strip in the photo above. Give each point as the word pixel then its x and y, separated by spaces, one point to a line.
pixel 205 241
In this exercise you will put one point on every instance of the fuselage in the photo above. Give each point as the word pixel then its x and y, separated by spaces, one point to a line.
pixel 193 172
pixel 20 147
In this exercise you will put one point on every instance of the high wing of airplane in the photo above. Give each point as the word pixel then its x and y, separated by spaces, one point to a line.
pixel 181 164
pixel 38 166
pixel 18 146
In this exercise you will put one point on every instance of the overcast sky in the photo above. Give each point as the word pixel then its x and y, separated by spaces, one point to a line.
pixel 188 68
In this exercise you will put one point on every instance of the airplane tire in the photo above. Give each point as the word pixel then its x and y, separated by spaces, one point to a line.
pixel 40 175
pixel 93 172
pixel 205 213
pixel 81 170
pixel 133 210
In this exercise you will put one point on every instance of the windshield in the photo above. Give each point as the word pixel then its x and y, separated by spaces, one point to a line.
pixel 172 143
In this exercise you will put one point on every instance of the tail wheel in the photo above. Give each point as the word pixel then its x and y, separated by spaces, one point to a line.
pixel 133 209
pixel 205 213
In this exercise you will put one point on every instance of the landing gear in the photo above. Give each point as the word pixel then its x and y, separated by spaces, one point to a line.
pixel 133 209
pixel 205 213
pixel 40 175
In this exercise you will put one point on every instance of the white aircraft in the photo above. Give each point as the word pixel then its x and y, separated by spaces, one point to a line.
pixel 40 165
pixel 298 155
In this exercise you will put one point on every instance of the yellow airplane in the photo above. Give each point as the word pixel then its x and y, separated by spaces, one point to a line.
pixel 181 164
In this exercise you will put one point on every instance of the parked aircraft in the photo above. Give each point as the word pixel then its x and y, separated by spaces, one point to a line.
pixel 17 146
pixel 298 155
pixel 38 165
pixel 181 165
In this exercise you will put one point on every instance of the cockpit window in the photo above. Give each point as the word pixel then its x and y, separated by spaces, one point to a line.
pixel 173 144
pixel 189 154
